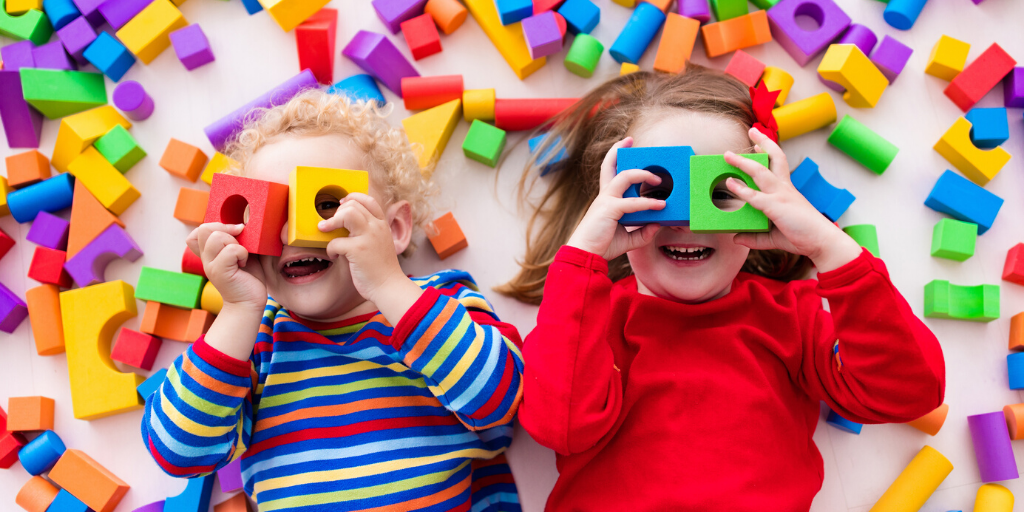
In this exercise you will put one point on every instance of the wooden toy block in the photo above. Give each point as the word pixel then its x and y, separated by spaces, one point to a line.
pixel 830 200
pixel 1013 269
pixel 803 45
pixel 117 13
pixel 168 287
pixel 183 160
pixel 268 210
pixel 66 502
pixel 448 14
pixel 18 55
pixel 90 316
pixel 109 56
pixel 963 200
pixel 136 349
pixel 192 264
pixel 508 40
pixel 211 299
pixel 977 164
pixel 777 79
pixel 6 242
pixel 79 131
pixel 484 143
pixel 50 195
pixel 694 9
pixel 52 56
pixel 730 35
pixel 10 443
pixel 1017 332
pixel 58 93
pixel 1013 88
pixel 76 36
pixel 41 453
pixel 28 168
pixel 580 15
pixel 174 323
pixel 916 483
pixel 932 422
pixel 993 498
pixel 512 11
pixel 583 55
pixel 541 149
pixel 21 6
pixel 863 145
pixel 841 423
pixel 237 503
pixel 746 68
pixel 315 39
pixel 110 187
pixel 120 149
pixel 848 66
pixel 423 92
pixel 891 57
pixel 47 267
pixel 36 495
pixel 309 186
pixel 902 14
pixel 627 68
pixel 975 303
pixel 431 130
pixel 989 127
pixel 44 315
pixel 449 238
pixel 706 171
pixel 974 82
pixel 12 310
pixel 672 165
pixel 219 162
pixel 22 123
pixel 88 219
pixel 131 98
pixel 192 47
pixel 478 104
pixel 526 114
pixel 148 33
pixel 360 87
pixel 191 206
pixel 866 236
pixel 393 12
pixel 195 497
pixel 376 55
pixel 728 9
pixel 33 25
pixel 29 413
pixel 147 388
pixel 992 446
pixel 953 239
pixel 89 481
pixel 542 34
pixel 806 115
pixel 638 33
pixel 230 476
pixel 948 58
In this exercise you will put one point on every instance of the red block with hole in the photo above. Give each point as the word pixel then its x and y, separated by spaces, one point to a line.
pixel 6 242
pixel 1013 269
pixel 136 349
pixel 192 264
pixel 268 210
pixel 315 39
pixel 422 36
pixel 48 267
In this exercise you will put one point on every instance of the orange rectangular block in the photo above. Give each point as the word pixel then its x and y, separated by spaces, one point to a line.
pixel 237 503
pixel 183 160
pixel 736 33
pixel 88 219
pixel 1017 332
pixel 676 45
pixel 44 314
pixel 191 206
pixel 25 413
pixel 88 481
pixel 27 168
pixel 449 238
pixel 166 321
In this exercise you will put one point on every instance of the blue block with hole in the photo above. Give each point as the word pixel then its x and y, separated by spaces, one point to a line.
pixel 672 163
pixel 826 198
pixel 842 423
pixel 581 16
pixel 962 199
pixel 511 11
pixel 554 163
pixel 990 127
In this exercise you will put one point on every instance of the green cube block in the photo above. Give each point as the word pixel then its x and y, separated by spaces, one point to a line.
pixel 953 239
pixel 58 93
pixel 865 235
pixel 120 148
pixel 484 143
pixel 32 25
pixel 729 9
pixel 706 171
pixel 583 55
pixel 174 288
pixel 975 303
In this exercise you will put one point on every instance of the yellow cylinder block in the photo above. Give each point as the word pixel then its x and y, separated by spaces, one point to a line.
pixel 806 115
pixel 916 483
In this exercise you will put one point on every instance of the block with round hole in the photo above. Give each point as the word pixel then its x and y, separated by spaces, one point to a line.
pixel 707 171
pixel 672 164
pixel 803 44
pixel 309 187
pixel 267 204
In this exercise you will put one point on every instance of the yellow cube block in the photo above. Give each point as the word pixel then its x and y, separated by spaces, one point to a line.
pixel 846 65
pixel 306 186
pixel 777 79
pixel 148 33
pixel 508 39
pixel 79 131
pixel 21 6
pixel 627 68
pixel 429 132
pixel 290 13
pixel 948 58
pixel 478 104
pixel 110 187
pixel 979 165
pixel 219 162
pixel 4 190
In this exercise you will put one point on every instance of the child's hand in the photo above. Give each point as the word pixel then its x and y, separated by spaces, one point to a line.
pixel 237 277
pixel 798 227
pixel 600 232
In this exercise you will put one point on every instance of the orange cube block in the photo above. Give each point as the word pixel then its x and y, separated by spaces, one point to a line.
pixel 88 481
pixel 183 160
pixel 449 238
pixel 26 413
pixel 27 168
pixel 36 495
pixel 676 45
pixel 191 206
pixel 44 314
pixel 166 321
pixel 237 503
pixel 736 33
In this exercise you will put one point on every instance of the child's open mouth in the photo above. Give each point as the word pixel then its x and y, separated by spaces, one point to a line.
pixel 304 267
pixel 687 253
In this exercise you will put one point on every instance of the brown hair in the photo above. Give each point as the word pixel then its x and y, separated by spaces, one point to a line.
pixel 587 132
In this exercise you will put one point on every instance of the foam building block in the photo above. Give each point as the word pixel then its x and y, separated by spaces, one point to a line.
pixel 484 143
pixel 237 503
pixel 52 56
pixel 147 388
pixel 133 100
pixel 542 35
pixel 221 131
pixel 956 196
pixel 993 498
pixel 23 124
pixel 167 287
pixel 268 210
pixel 252 6
pixel 195 497
pixel 305 186
pixel 90 11
pixel 580 15
pixel 109 56
pixel 44 315
pixel 448 14
pixel 192 47
pixel 695 9
pixel 50 195
pixel 76 37
pixel 672 165
pixel 315 39
pixel 192 264
pixel 974 82
pixel 705 172
pixel 120 149
pixel 66 502
pixel 638 33
pixel 211 300
pixel 728 9
pixel 10 443
pixel 59 93
pixel 29 413
pixel 32 167
pixel 191 206
pixel 219 162
pixel 230 476
pixel 626 68
pixel 6 242
pixel 1016 342
pixel 1015 421
pixel 174 323
pixel 746 68
pixel 526 114
pixel 804 45
pixel 79 131
pixel 848 66
pixel 423 92
pixel 511 11
pixel 826 198
pixel 540 149
pixel 18 55
pixel 584 55
pixel 88 219
pixel 953 239
pixel 948 58
pixel 979 165
pixel 136 349
pixel 508 40
pixel 361 87
pixel 1013 88
pixel 34 25
pixel 36 495
pixel 932 422
pixel 992 446
pixel 1013 269
pixel 1015 370
pixel 804 116
pixel 183 160
pixel 393 12
pixel 290 13
pixel 60 13
pixel 841 423
pixel 989 127
pixel 449 238
pixel 735 34
pixel 902 14
pixel 105 182
pixel 916 482
pixel 5 189
pixel 13 310
pixel 88 481
pixel 41 453
pixel 47 267
pixel 147 35
pixel 676 44
pixel 431 130
pixel 891 57
pixel 376 55
pixel 119 12
pixel 863 145
pixel 975 303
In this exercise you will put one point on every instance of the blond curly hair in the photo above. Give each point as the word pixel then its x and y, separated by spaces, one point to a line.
pixel 392 165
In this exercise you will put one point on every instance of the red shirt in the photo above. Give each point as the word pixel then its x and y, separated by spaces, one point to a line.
pixel 655 405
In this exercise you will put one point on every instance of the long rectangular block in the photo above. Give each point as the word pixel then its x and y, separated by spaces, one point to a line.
pixel 148 33
pixel 112 189
pixel 88 481
pixel 221 131
pixel 956 196
pixel 167 287
pixel 735 34
pixel 676 44
pixel 175 323
pixel 974 82
pixel 290 13
pixel 44 315
pixel 58 93
pixel 378 56
pixel 23 124
pixel 117 13
pixel 393 12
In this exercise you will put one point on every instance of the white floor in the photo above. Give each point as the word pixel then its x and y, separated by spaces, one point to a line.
pixel 253 55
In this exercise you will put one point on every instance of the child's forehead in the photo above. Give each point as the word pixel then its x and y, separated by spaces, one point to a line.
pixel 706 133
pixel 276 159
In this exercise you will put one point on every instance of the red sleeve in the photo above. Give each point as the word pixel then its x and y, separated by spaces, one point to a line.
pixel 890 366
pixel 573 392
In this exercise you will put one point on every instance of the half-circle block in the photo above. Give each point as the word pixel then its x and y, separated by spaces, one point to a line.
pixel 975 303
pixel 977 164
pixel 87 267
pixel 826 198
pixel 846 65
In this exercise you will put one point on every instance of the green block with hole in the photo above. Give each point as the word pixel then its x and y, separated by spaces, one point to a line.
pixel 953 239
pixel 865 235
pixel 32 25
pixel 120 148
pixel 167 287
pixel 484 143
pixel 975 303
pixel 58 93
pixel 706 171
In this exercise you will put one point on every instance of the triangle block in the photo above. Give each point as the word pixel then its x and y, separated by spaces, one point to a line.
pixel 88 219
pixel 431 129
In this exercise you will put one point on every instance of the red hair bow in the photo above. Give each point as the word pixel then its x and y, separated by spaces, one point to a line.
pixel 763 102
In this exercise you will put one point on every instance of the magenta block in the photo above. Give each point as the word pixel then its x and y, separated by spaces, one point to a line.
pixel 802 44
pixel 49 230
pixel 1013 88
pixel 230 476
pixel 220 131
pixel 191 46
pixel 90 11
pixel 157 506
pixel 119 12
pixel 542 35
pixel 890 57
pixel 132 99
pixel 76 37
pixel 393 12
pixel 12 310
pixel 52 56
pixel 377 55
pixel 992 447
pixel 696 9
pixel 88 265
pixel 18 55
pixel 22 123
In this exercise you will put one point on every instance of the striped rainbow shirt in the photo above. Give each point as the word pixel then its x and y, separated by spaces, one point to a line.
pixel 356 415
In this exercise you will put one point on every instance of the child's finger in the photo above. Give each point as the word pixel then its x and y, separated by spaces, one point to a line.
pixel 610 160
pixel 637 204
pixel 764 178
pixel 776 157
pixel 755 198
pixel 229 257
pixel 641 237
pixel 352 216
pixel 368 202
pixel 215 244
pixel 773 239
pixel 204 231
pixel 625 179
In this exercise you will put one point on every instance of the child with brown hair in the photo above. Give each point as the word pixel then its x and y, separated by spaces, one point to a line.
pixel 673 370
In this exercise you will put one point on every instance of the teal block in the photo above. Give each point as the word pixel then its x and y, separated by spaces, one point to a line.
pixel 167 287
pixel 954 239
pixel 120 148
pixel 706 171
pixel 975 303
pixel 484 143
pixel 58 93
pixel 865 235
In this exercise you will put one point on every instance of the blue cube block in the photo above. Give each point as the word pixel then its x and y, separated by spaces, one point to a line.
pixel 65 502
pixel 60 12
pixel 41 453
pixel 359 88
pixel 990 127
pixel 962 199
pixel 511 11
pixel 553 164
pixel 842 423
pixel 1015 370
pixel 109 56
pixel 581 16
pixel 672 164
pixel 152 383
pixel 826 198
pixel 252 6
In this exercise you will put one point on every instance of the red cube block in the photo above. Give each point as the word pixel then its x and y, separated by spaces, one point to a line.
pixel 6 242
pixel 10 444
pixel 1013 269
pixel 422 36
pixel 745 67
pixel 315 40
pixel 48 267
pixel 136 349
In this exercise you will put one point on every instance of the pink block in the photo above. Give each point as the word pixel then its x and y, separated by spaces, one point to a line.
pixel 87 267
pixel 745 67
pixel 136 349
pixel 192 47
pixel 542 34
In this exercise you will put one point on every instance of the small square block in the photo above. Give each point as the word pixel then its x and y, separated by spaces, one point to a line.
pixel 29 413
pixel 47 267
pixel 52 56
pixel 990 127
pixel 422 37
pixel 183 160
pixel 449 238
pixel 167 287
pixel 76 37
pixel 109 56
pixel 191 206
pixel 948 58
pixel 953 239
pixel 706 171
pixel 1013 269
pixel 191 46
pixel 511 11
pixel 581 16
pixel 120 148
pixel 136 349
pixel 49 230
pixel 27 168
pixel 891 57
pixel 745 67
pixel 484 143
pixel 542 34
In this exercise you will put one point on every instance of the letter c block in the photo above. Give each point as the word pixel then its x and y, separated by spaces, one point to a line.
pixel 304 184
pixel 846 65
pixel 672 164
pixel 979 165
pixel 268 210
pixel 706 171
pixel 87 267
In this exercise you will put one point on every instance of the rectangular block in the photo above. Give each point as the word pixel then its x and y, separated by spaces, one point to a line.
pixel 745 68
pixel 148 33
pixel 308 188
pixel 974 82
pixel 378 56
pixel 88 481
pixel 29 413
pixel 167 287
pixel 52 56
pixel 104 181
pixel 57 93
pixel 735 34
pixel 175 323
pixel 706 171
pixel 290 13
pixel 676 44
pixel 958 197
pixel 23 124
pixel 109 56
pixel 44 314
pixel 316 39
pixel 119 12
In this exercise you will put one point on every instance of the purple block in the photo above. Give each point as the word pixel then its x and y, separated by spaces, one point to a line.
pixel 890 57
pixel 377 55
pixel 49 230
pixel 157 506
pixel 119 12
pixel 22 123
pixel 220 131
pixel 18 55
pixel 191 46
pixel 696 9
pixel 12 310
pixel 394 12
pixel 230 476
pixel 542 35
pixel 90 11
pixel 76 37
pixel 1013 88
pixel 52 56
pixel 992 447
pixel 132 99
pixel 802 44
pixel 87 267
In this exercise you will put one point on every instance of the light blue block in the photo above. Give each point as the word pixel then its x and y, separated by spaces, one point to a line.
pixel 668 162
pixel 359 88
pixel 512 11
pixel 195 497
pixel 638 33
pixel 60 12
pixel 152 383
pixel 65 502
pixel 1015 370
pixel 41 453
pixel 961 199
pixel 826 198
pixel 50 195
pixel 581 16
pixel 990 127
pixel 842 423
pixel 554 163
pixel 109 56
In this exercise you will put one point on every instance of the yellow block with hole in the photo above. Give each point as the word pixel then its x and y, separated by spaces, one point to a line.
pixel 79 131
pixel 846 65
pixel 478 104
pixel 110 187
pixel 21 6
pixel 148 33
pixel 304 184
pixel 979 165
pixel 430 131
pixel 219 162
pixel 948 58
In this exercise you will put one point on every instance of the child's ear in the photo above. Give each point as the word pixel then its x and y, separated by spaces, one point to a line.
pixel 399 217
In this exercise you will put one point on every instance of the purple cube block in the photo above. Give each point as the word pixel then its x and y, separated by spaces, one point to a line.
pixel 22 123
pixel 119 12
pixel 992 447
pixel 1013 88
pixel 696 9
pixel 230 476
pixel 131 98
pixel 76 37
pixel 49 230
pixel 87 267
pixel 52 56
pixel 90 11
pixel 191 46
pixel 18 55
pixel 542 35
pixel 891 56
pixel 393 12
pixel 802 44
pixel 12 310
pixel 377 55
